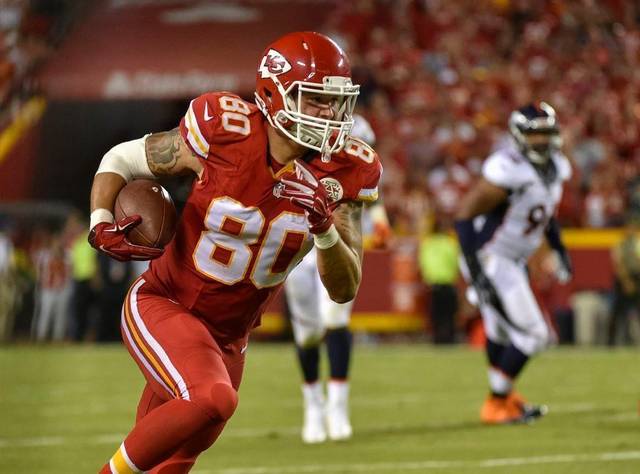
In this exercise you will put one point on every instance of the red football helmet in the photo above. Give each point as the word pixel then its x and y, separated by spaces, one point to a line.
pixel 306 62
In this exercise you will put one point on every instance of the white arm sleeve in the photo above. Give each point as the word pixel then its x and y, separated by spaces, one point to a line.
pixel 127 159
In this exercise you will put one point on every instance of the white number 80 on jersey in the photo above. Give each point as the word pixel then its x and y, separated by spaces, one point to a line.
pixel 224 252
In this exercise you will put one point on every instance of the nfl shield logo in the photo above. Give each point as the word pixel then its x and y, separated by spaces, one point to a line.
pixel 277 189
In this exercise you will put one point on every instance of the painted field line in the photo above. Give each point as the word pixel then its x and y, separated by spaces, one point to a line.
pixel 426 465
pixel 32 442
pixel 111 438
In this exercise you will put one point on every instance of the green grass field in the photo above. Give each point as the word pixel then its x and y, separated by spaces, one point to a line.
pixel 414 409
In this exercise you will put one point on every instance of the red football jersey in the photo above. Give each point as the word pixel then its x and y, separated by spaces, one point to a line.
pixel 236 242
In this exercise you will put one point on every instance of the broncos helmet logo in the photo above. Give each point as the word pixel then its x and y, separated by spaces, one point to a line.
pixel 273 64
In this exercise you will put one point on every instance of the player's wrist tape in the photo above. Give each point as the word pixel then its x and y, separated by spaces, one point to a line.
pixel 327 239
pixel 100 215
pixel 128 159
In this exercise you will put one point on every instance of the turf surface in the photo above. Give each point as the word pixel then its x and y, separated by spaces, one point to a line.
pixel 414 409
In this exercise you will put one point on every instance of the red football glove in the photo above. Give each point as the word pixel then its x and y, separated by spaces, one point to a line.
pixel 112 240
pixel 307 192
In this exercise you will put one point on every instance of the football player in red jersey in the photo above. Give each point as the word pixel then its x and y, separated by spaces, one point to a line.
pixel 271 182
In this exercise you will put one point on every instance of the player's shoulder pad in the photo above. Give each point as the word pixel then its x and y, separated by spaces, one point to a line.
pixel 506 169
pixel 365 165
pixel 564 167
pixel 216 118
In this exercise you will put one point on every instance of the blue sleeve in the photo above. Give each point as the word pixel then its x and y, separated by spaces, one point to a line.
pixel 466 235
pixel 552 233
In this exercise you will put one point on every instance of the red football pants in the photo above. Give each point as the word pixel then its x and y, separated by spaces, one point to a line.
pixel 192 381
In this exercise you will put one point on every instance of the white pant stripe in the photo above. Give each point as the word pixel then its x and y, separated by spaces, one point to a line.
pixel 157 348
pixel 141 358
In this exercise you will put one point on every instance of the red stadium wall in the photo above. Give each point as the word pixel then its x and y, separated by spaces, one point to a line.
pixel 117 51
pixel 391 297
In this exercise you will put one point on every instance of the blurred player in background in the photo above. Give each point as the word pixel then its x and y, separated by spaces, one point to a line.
pixel 272 181
pixel 626 286
pixel 315 316
pixel 500 223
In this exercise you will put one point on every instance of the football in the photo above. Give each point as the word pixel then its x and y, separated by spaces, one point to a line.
pixel 154 204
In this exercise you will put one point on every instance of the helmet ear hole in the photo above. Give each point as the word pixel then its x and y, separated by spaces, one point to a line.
pixel 267 97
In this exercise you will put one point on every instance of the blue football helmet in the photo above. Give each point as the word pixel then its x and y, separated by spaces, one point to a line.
pixel 535 129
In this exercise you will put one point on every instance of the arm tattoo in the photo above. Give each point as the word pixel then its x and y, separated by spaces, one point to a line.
pixel 348 221
pixel 163 151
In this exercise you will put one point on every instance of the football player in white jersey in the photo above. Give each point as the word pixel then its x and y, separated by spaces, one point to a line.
pixel 500 222
pixel 316 317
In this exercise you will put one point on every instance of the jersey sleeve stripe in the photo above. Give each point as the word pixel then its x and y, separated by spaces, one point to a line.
pixel 194 135
pixel 195 146
pixel 368 194
pixel 195 128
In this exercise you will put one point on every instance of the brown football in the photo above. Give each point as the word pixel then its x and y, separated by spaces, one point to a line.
pixel 154 204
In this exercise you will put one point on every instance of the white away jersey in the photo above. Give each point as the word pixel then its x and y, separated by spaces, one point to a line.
pixel 515 229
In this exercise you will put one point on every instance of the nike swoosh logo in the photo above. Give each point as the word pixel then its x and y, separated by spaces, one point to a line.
pixel 108 252
pixel 207 117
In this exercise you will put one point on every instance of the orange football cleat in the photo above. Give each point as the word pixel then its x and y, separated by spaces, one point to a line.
pixel 500 411
pixel 529 411
pixel 517 399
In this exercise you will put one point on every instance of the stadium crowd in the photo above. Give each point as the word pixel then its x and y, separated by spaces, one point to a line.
pixel 28 32
pixel 439 80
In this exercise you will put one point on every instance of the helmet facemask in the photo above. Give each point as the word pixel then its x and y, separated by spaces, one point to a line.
pixel 537 137
pixel 326 136
pixel 539 146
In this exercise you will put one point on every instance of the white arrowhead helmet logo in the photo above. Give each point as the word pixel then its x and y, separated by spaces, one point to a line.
pixel 273 64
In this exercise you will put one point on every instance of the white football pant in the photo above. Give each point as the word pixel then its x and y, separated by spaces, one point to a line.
pixel 523 323
pixel 312 310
